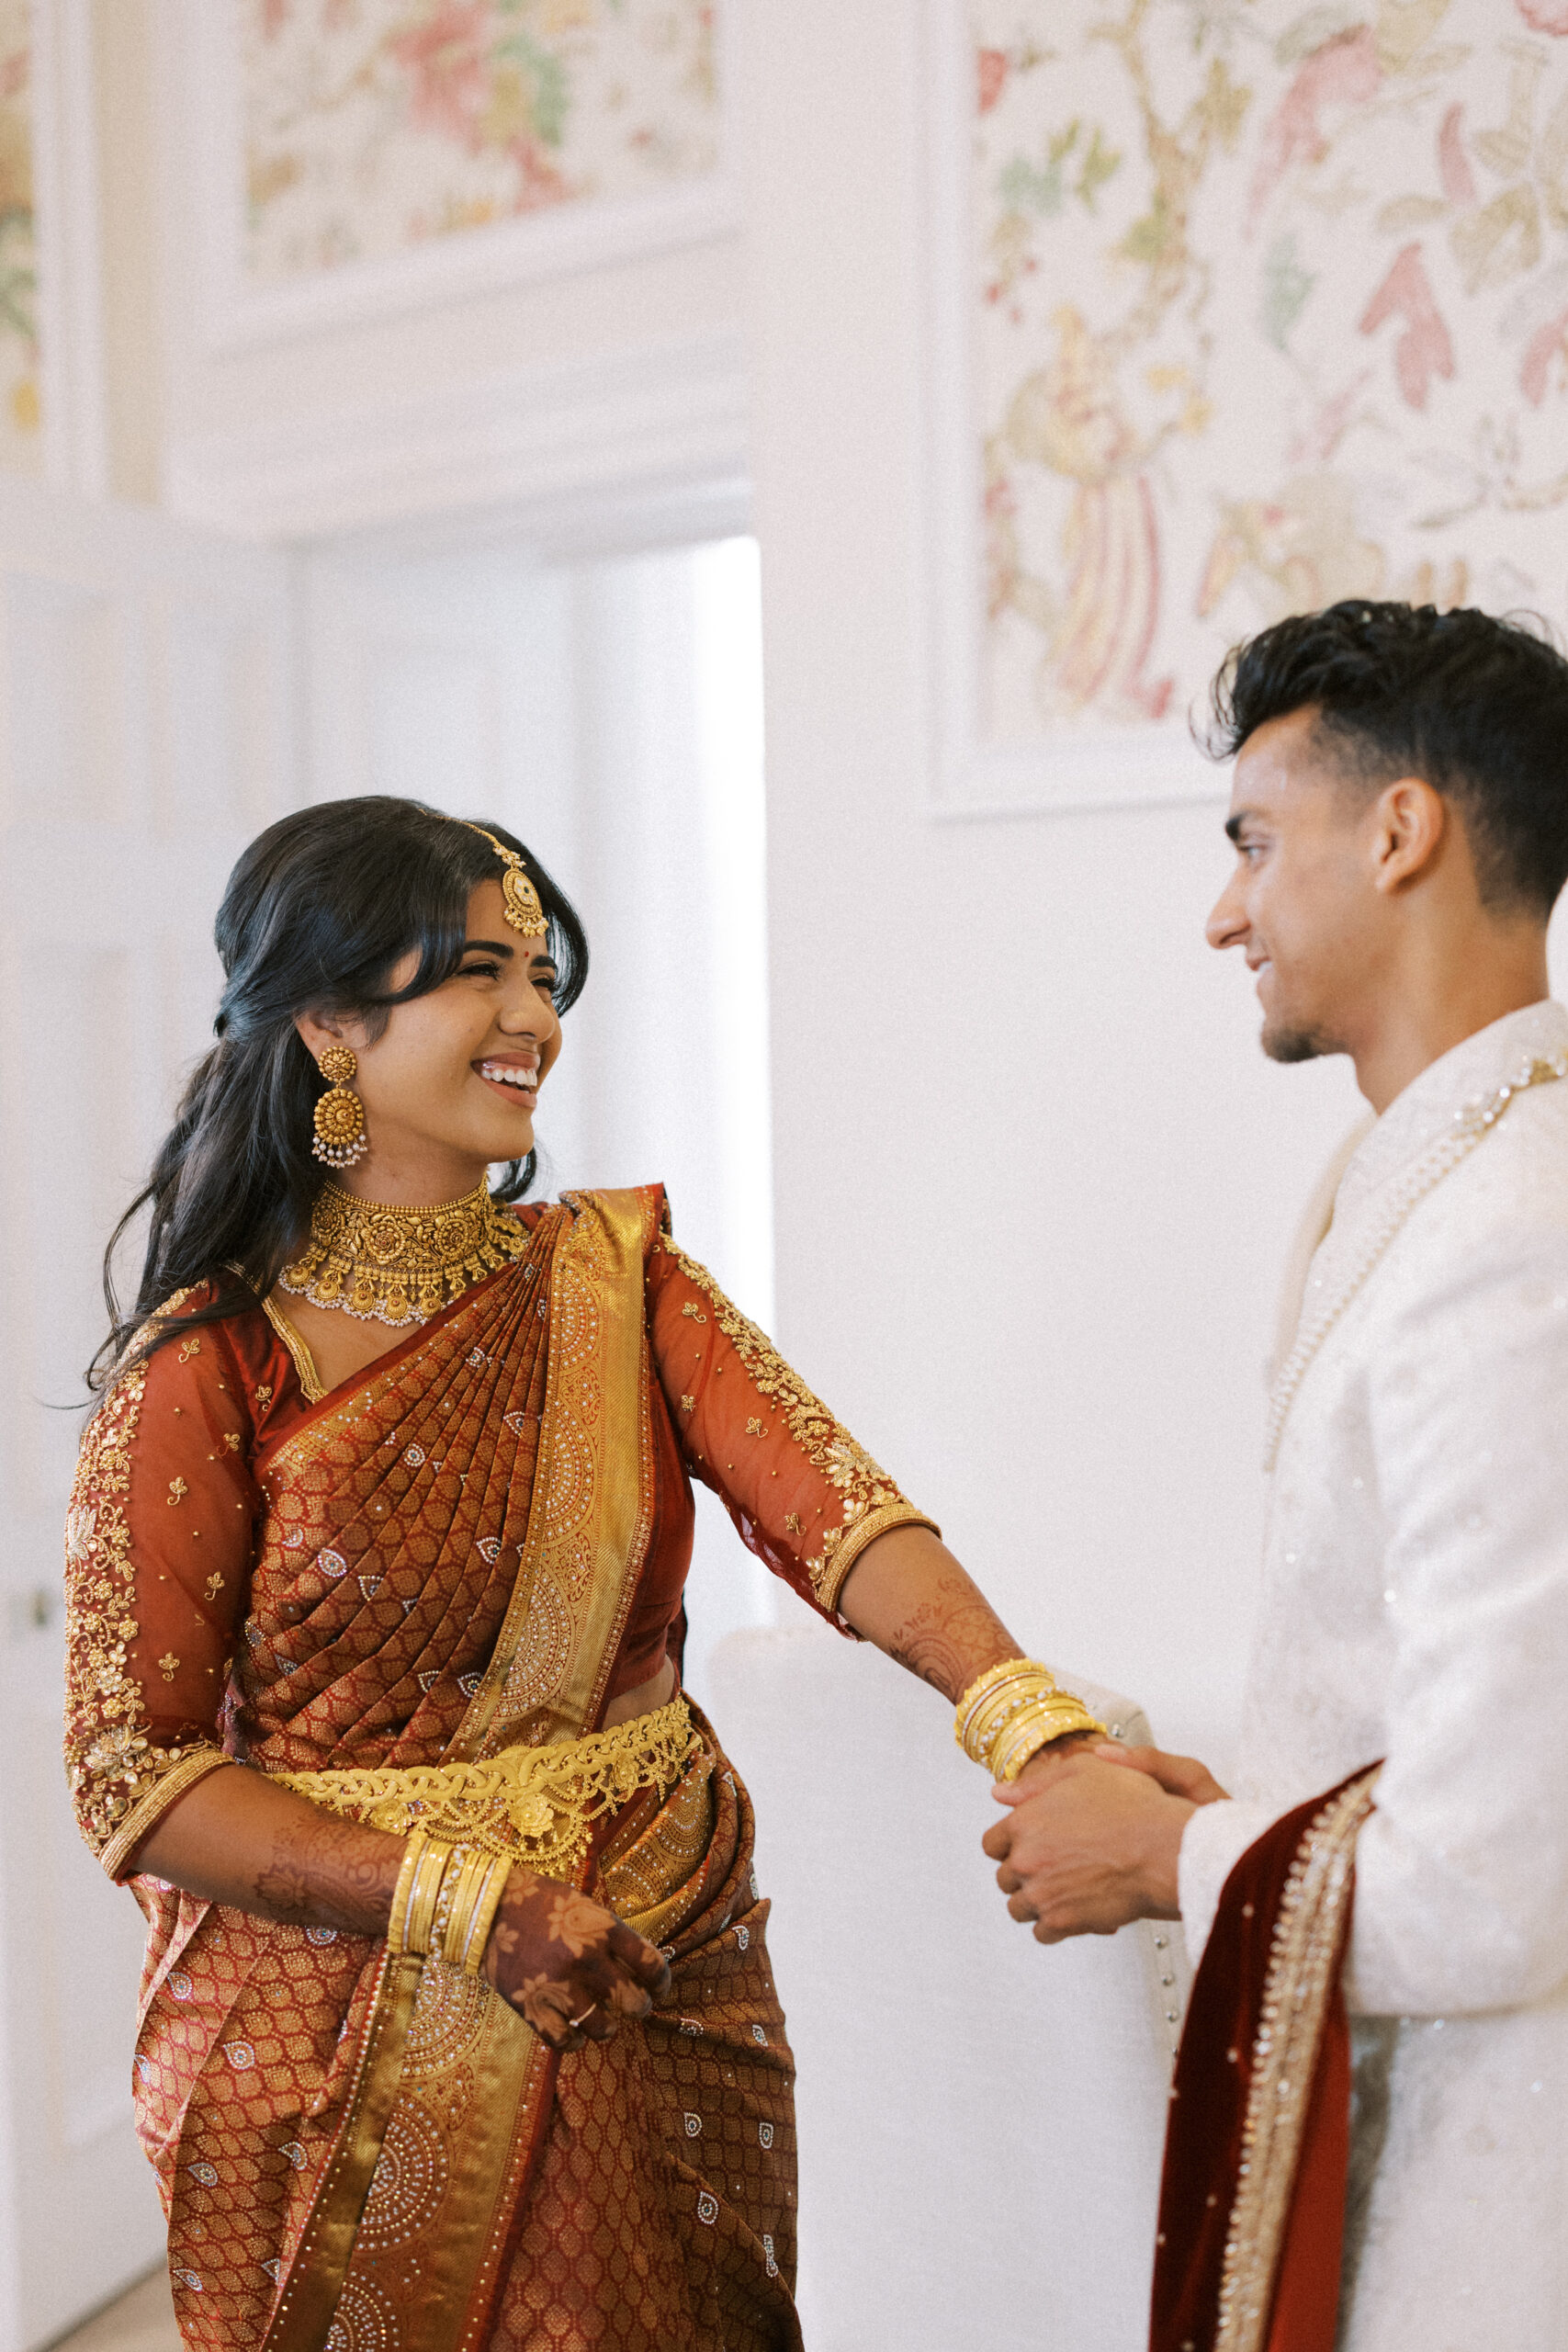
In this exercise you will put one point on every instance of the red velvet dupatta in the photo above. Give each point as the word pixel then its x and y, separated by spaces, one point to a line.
pixel 1252 2199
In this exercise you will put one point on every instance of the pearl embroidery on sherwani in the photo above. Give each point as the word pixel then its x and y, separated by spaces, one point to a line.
pixel 1470 1123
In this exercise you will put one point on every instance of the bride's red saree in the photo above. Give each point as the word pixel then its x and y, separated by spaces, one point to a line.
pixel 460 1553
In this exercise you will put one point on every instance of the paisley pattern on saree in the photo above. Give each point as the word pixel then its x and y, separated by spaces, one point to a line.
pixel 385 1511
pixel 603 2160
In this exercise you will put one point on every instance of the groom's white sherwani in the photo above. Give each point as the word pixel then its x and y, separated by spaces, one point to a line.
pixel 1416 1607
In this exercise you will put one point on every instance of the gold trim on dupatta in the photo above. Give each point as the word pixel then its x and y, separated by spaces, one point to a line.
pixel 310 2299
pixel 192 1767
pixel 440 2042
pixel 589 1521
pixel 1308 1933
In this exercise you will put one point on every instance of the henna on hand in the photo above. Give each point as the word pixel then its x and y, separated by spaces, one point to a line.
pixel 556 1954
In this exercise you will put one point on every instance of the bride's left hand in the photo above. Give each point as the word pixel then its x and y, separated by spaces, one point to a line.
pixel 568 1965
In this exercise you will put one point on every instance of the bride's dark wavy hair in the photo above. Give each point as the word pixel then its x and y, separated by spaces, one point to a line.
pixel 317 913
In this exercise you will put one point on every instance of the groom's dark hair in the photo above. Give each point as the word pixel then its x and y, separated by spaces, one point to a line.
pixel 1475 706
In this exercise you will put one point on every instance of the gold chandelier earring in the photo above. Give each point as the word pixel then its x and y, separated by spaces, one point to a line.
pixel 341 1138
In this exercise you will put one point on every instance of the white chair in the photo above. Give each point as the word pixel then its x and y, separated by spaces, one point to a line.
pixel 981 2118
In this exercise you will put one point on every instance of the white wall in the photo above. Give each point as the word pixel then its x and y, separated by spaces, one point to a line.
pixel 1034 1180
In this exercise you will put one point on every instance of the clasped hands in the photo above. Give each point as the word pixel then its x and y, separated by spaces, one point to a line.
pixel 1092 1835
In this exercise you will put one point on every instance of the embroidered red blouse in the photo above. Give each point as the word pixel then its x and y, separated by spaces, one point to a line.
pixel 162 1533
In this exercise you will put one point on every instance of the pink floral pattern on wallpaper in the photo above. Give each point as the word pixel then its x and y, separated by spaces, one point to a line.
pixel 21 438
pixel 1272 308
pixel 375 125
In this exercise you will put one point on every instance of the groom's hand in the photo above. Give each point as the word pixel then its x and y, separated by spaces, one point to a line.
pixel 1179 1776
pixel 1088 1848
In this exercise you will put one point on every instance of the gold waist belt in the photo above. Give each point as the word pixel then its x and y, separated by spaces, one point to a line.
pixel 538 1805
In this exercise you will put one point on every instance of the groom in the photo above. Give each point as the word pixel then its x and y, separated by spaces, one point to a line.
pixel 1400 820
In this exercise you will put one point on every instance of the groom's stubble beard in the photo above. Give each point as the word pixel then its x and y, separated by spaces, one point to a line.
pixel 1299 1023
pixel 1282 1042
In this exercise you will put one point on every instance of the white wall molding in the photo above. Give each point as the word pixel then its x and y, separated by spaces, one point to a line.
pixel 70 292
pixel 238 313
pixel 1084 767
pixel 667 419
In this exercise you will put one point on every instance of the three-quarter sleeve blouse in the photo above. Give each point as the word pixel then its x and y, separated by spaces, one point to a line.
pixel 159 1542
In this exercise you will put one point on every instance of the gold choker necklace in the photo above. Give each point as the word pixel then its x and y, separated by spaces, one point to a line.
pixel 396 1265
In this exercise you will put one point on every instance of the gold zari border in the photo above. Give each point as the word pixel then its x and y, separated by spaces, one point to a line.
pixel 145 1815
pixel 1308 1936
pixel 595 1410
pixel 298 1347
pixel 310 2299
pixel 833 1576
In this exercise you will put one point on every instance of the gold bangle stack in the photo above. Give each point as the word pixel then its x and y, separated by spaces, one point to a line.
pixel 469 1897
pixel 1013 1710
pixel 397 1919
pixel 416 1895
pixel 445 1900
pixel 474 1906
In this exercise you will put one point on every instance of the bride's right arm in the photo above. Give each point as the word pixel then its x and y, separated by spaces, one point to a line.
pixel 238 1838
pixel 158 1559
pixel 158 1546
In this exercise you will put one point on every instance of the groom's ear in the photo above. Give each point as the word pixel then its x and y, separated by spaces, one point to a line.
pixel 1410 825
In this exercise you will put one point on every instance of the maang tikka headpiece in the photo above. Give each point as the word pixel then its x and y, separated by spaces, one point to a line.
pixel 524 908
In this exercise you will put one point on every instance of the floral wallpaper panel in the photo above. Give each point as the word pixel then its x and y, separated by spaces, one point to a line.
pixel 375 125
pixel 1270 308
pixel 21 437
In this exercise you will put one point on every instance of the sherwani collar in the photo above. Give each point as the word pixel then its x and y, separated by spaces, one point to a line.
pixel 1424 1110
pixel 1440 1116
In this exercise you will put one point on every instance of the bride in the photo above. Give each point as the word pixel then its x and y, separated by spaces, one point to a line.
pixel 457 2024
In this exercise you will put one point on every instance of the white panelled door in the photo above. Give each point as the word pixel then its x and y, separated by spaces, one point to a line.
pixel 147 730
